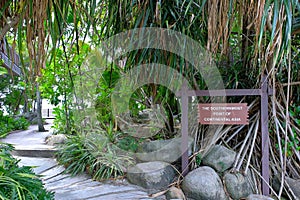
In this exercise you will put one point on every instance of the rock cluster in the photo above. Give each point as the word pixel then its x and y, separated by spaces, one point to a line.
pixel 213 180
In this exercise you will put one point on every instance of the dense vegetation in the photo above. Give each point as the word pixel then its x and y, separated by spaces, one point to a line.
pixel 245 38
pixel 8 124
pixel 19 182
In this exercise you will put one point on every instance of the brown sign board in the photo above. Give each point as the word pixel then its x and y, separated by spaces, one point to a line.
pixel 223 113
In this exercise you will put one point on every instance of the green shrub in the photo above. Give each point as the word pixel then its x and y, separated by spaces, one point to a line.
pixel 129 143
pixel 94 155
pixel 74 156
pixel 8 124
pixel 63 123
pixel 19 182
pixel 21 124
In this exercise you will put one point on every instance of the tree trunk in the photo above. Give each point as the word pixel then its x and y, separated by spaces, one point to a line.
pixel 39 109
pixel 26 106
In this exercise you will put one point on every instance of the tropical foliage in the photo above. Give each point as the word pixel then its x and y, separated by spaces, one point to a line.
pixel 246 38
pixel 93 154
pixel 8 124
pixel 19 182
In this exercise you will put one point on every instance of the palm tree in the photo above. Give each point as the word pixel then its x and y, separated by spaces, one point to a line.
pixel 247 38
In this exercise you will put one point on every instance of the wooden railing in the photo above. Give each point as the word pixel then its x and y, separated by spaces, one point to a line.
pixel 8 64
pixel 11 60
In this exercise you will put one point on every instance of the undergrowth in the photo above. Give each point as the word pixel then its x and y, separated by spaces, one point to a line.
pixel 19 183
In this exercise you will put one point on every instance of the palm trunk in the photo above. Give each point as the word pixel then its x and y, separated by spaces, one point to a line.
pixel 39 109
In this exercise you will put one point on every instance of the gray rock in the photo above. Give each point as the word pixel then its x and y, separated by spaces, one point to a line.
pixel 258 197
pixel 175 193
pixel 294 185
pixel 151 175
pixel 56 139
pixel 30 116
pixel 237 185
pixel 34 121
pixel 203 183
pixel 276 182
pixel 220 158
pixel 162 150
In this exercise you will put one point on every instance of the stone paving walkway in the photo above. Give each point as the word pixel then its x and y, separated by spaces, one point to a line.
pixel 32 151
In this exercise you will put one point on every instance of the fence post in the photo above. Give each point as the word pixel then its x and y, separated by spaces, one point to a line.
pixel 264 136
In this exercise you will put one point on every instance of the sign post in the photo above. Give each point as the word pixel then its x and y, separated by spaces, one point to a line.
pixel 184 129
pixel 236 113
pixel 223 113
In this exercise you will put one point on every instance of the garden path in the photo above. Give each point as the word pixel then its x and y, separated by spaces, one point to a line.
pixel 31 149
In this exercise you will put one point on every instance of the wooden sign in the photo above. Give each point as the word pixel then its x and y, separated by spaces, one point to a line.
pixel 223 113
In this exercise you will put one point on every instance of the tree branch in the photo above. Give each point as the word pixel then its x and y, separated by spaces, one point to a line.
pixel 292 83
pixel 14 21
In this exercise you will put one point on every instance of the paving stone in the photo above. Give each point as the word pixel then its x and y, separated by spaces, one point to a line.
pixel 52 172
pixel 66 182
pixel 30 143
pixel 39 153
pixel 130 195
pixel 87 183
pixel 56 178
pixel 103 190
pixel 40 164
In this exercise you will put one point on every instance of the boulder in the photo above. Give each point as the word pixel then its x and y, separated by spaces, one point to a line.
pixel 34 121
pixel 151 175
pixel 203 183
pixel 56 139
pixel 220 158
pixel 294 185
pixel 30 116
pixel 162 150
pixel 175 193
pixel 258 197
pixel 237 185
